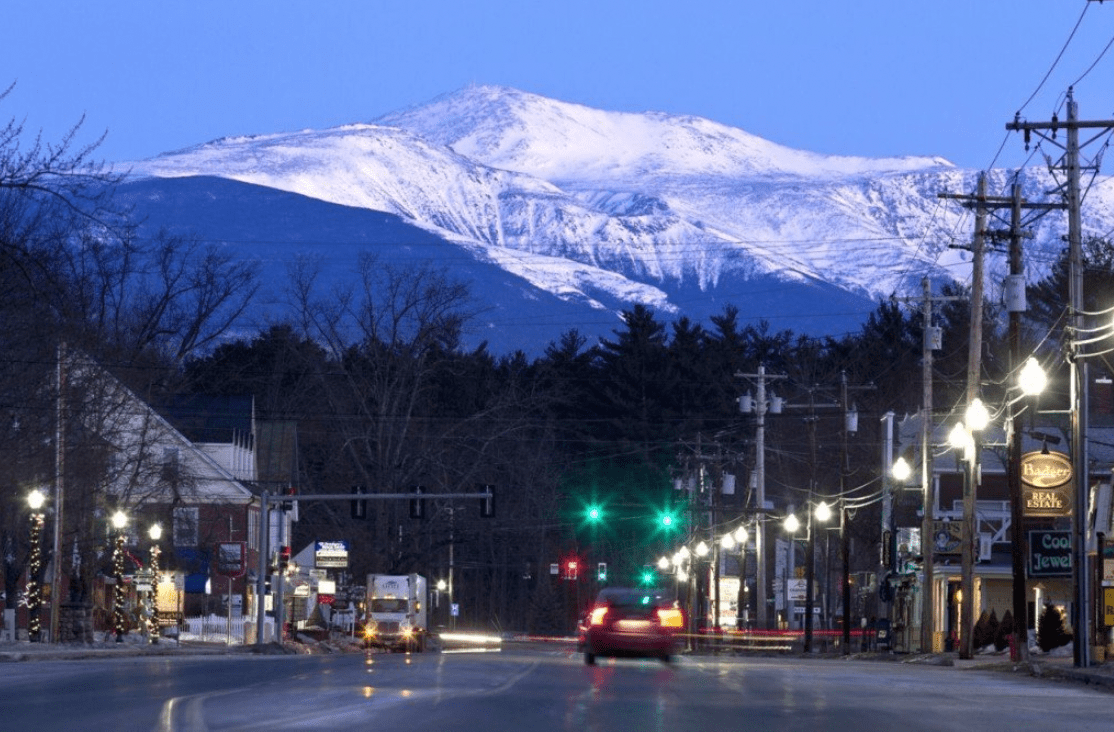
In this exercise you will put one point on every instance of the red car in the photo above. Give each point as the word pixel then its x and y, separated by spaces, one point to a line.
pixel 632 622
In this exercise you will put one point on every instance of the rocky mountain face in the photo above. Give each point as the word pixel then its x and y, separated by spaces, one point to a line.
pixel 560 216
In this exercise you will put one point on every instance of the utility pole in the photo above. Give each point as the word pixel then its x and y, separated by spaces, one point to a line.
pixel 974 368
pixel 59 495
pixel 983 205
pixel 760 408
pixel 930 342
pixel 1069 166
pixel 1018 544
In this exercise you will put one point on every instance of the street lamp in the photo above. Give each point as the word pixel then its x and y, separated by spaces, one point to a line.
pixel 791 524
pixel 977 418
pixel 119 521
pixel 155 532
pixel 35 500
pixel 901 470
pixel 739 538
pixel 821 513
pixel 1032 381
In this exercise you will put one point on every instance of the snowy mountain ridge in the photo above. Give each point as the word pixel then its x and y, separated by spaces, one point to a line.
pixel 580 202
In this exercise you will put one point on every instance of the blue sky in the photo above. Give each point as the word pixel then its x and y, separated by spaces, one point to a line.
pixel 867 77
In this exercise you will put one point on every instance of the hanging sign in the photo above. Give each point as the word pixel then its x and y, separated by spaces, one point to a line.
pixel 1047 488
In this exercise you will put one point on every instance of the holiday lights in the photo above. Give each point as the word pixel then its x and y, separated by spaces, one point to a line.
pixel 34 589
pixel 152 596
pixel 119 520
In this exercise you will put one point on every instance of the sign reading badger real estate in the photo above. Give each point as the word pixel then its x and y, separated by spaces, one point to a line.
pixel 1047 487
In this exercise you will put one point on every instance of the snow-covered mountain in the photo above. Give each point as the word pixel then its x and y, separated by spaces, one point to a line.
pixel 604 209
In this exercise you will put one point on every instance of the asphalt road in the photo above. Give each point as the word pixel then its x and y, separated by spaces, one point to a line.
pixel 532 690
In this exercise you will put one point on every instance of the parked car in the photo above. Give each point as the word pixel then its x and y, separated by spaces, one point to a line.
pixel 632 622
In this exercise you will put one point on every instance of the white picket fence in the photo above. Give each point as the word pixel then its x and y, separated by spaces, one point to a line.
pixel 218 629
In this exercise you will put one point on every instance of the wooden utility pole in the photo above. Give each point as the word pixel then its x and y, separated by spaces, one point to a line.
pixel 984 204
pixel 974 367
pixel 760 408
pixel 1069 167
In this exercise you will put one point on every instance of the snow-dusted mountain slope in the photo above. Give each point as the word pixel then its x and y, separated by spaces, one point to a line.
pixel 606 208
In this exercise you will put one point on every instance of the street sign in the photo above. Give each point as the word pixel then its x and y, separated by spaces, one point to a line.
pixel 232 558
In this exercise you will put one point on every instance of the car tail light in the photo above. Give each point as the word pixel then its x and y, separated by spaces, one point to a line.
pixel 598 615
pixel 670 617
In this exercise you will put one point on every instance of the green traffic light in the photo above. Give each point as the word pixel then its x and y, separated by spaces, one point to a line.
pixel 594 513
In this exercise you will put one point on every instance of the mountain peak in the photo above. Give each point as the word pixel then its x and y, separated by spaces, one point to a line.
pixel 562 141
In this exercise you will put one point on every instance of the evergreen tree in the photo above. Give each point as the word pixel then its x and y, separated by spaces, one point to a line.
pixel 980 636
pixel 1050 630
pixel 1005 630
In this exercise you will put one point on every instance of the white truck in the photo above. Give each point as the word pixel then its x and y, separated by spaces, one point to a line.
pixel 397 612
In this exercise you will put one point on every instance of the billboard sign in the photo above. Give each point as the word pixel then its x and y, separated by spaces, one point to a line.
pixel 330 554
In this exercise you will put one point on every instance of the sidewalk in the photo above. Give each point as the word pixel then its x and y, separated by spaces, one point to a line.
pixel 136 645
pixel 1039 665
pixel 130 647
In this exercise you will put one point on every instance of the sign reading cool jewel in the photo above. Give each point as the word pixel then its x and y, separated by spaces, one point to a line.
pixel 1046 484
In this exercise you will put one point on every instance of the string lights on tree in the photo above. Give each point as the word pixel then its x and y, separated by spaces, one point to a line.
pixel 119 521
pixel 34 589
pixel 155 532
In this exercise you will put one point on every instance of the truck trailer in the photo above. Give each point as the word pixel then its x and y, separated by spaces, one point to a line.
pixel 397 612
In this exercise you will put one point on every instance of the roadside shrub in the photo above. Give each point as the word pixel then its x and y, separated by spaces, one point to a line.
pixel 991 630
pixel 1050 630
pixel 1005 630
pixel 979 635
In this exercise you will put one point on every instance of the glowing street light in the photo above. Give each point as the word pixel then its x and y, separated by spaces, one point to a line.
pixel 791 523
pixel 1032 378
pixel 901 470
pixel 741 535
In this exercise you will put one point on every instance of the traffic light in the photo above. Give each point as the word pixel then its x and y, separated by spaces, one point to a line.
pixel 667 520
pixel 417 503
pixel 594 513
pixel 571 569
pixel 601 571
pixel 487 504
pixel 648 576
pixel 283 558
pixel 359 507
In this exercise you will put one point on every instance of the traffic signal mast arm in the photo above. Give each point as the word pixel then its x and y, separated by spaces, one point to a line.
pixel 368 496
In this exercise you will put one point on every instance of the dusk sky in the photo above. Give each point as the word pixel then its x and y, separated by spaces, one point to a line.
pixel 870 77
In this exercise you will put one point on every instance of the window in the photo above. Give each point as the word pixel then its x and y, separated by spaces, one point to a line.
pixel 185 526
pixel 170 464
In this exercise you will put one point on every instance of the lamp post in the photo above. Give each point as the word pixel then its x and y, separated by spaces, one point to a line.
pixel 821 513
pixel 35 500
pixel 155 532
pixel 1032 381
pixel 741 536
pixel 119 521
pixel 977 418
pixel 791 524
